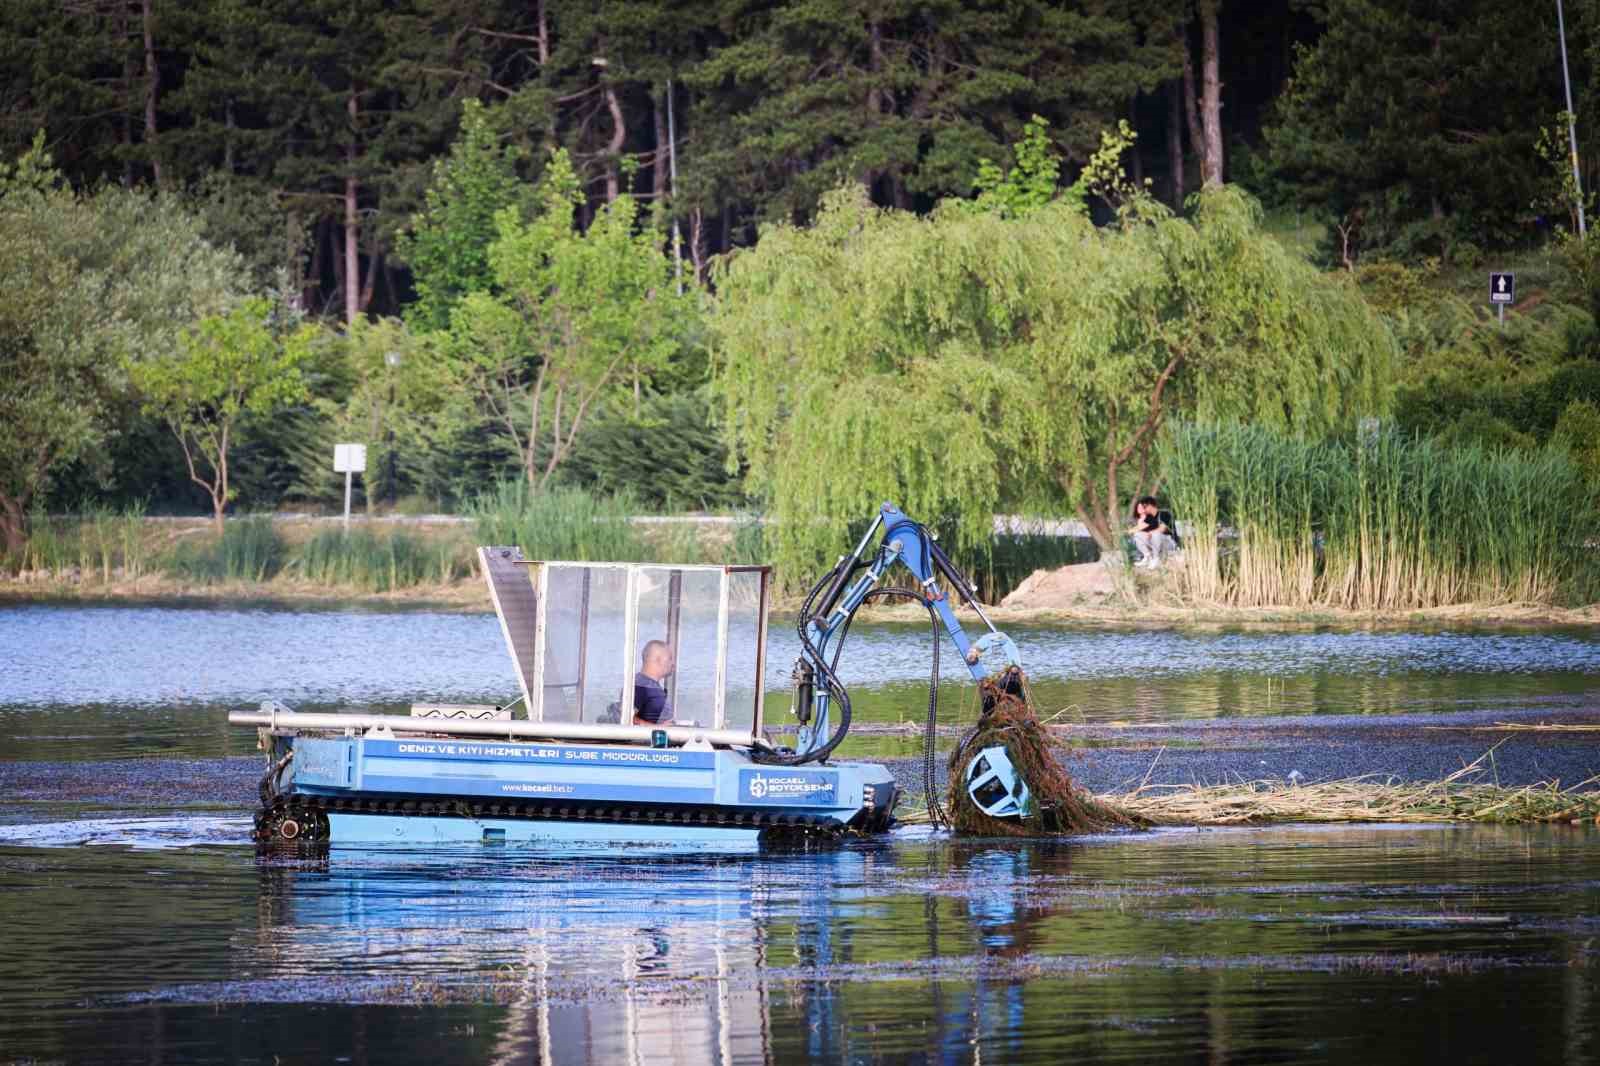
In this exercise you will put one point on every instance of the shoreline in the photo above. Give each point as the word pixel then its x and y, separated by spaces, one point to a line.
pixel 470 595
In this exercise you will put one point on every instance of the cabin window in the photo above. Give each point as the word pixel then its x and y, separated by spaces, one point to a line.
pixel 591 624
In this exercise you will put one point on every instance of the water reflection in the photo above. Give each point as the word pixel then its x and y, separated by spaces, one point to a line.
pixel 1381 944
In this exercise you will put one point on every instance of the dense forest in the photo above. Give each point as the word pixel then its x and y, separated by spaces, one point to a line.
pixel 568 242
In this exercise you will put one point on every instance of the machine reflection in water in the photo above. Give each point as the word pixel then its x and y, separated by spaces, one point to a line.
pixel 685 958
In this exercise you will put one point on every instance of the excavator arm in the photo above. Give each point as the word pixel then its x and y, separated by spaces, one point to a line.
pixel 821 701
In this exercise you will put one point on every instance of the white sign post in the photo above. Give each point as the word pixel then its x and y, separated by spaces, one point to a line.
pixel 347 459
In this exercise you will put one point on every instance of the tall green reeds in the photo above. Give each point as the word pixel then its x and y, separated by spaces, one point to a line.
pixel 249 549
pixel 99 543
pixel 560 523
pixel 1381 522
pixel 378 563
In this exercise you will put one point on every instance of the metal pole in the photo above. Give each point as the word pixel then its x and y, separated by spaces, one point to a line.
pixel 389 430
pixel 1572 127
pixel 347 501
pixel 672 193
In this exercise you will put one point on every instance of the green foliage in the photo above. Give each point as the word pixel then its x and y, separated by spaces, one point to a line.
pixel 249 549
pixel 448 241
pixel 1105 176
pixel 1032 181
pixel 392 390
pixel 372 562
pixel 1579 280
pixel 251 219
pixel 558 523
pixel 99 542
pixel 968 361
pixel 1558 194
pixel 1406 124
pixel 669 457
pixel 907 99
pixel 1484 430
pixel 1578 431
pixel 1468 378
pixel 87 283
pixel 226 367
pixel 573 315
pixel 1381 522
pixel 1529 401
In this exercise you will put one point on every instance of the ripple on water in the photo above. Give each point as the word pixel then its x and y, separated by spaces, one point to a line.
pixel 70 656
pixel 159 832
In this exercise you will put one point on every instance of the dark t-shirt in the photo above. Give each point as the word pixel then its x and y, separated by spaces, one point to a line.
pixel 650 699
pixel 1150 523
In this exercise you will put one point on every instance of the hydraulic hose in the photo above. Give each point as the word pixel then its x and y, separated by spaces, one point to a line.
pixel 930 729
pixel 932 557
pixel 828 669
pixel 828 677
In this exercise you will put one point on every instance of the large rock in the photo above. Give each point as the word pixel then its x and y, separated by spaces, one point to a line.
pixel 1064 587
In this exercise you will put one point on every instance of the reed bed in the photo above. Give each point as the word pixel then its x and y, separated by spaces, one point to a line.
pixel 1357 799
pixel 1382 522
pixel 372 562
pixel 96 542
pixel 559 523
pixel 250 549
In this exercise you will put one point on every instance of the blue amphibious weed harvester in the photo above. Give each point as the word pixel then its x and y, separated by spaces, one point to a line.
pixel 578 766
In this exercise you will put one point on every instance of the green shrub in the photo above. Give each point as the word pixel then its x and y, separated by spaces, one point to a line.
pixel 1578 431
pixel 1484 430
pixel 670 457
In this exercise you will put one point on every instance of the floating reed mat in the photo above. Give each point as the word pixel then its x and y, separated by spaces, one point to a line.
pixel 1055 805
pixel 1372 798
pixel 1066 809
pixel 1522 727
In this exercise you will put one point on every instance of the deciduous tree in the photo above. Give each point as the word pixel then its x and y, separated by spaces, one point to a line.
pixel 87 283
pixel 571 314
pixel 968 362
pixel 226 367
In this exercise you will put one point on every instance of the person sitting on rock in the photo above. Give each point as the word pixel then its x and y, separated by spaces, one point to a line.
pixel 1153 532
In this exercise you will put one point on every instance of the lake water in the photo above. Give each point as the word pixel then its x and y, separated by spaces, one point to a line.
pixel 91 681
pixel 149 931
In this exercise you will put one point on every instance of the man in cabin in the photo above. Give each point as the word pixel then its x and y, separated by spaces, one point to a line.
pixel 650 706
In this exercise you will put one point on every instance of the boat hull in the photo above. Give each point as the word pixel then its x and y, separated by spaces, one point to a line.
pixel 366 789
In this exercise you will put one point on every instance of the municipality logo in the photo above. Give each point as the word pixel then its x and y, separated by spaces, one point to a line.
pixel 780 787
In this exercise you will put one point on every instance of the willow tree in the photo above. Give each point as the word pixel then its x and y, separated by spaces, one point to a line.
pixel 964 362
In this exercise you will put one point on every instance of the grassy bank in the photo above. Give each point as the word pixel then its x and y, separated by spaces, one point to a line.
pixel 128 555
pixel 102 553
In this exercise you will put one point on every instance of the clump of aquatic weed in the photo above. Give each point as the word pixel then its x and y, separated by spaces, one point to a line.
pixel 1369 798
pixel 1055 804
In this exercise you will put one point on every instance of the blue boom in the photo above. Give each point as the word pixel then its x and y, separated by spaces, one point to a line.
pixel 856 578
